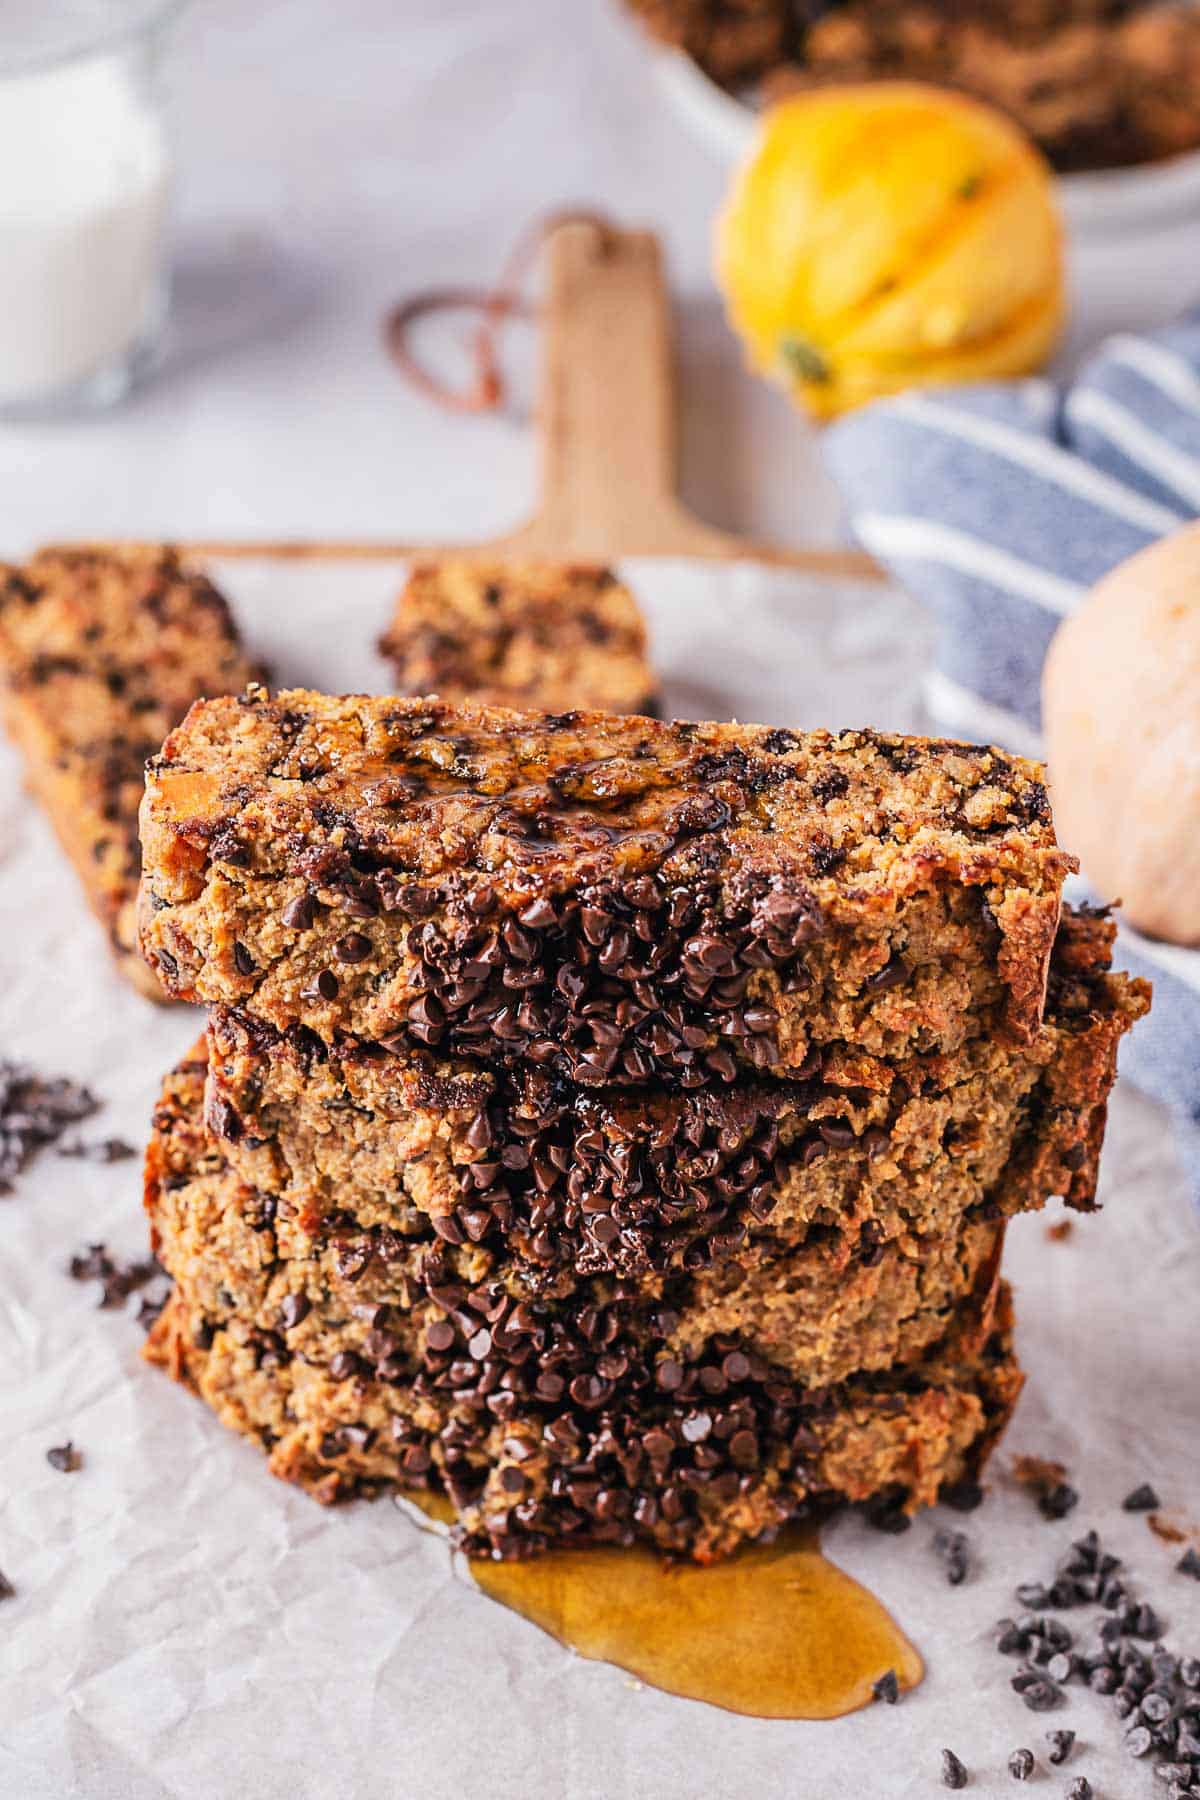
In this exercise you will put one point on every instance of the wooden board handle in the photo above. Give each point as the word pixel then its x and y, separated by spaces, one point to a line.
pixel 607 412
pixel 608 425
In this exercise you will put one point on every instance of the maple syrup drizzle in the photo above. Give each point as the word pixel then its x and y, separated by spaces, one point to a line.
pixel 776 1631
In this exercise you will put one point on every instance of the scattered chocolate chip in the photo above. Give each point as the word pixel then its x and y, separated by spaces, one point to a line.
pixel 1189 1564
pixel 1021 1765
pixel 243 962
pixel 888 1518
pixel 35 1110
pixel 7 1590
pixel 1058 1501
pixel 1142 1499
pixel 887 1688
pixel 1042 1696
pixel 954 1774
pixel 117 1280
pixel 1061 1745
pixel 323 986
pixel 355 947
pixel 65 1458
pixel 1080 1789
pixel 99 1150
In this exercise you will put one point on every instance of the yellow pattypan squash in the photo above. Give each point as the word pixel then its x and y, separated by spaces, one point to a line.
pixel 890 235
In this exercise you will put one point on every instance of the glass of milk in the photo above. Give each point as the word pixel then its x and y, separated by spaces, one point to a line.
pixel 84 183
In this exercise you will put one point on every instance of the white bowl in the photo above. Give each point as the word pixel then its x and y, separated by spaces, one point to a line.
pixel 1098 203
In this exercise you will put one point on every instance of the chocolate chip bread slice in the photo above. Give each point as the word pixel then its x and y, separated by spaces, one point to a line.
pixel 611 900
pixel 822 1314
pixel 562 1181
pixel 101 653
pixel 626 1417
pixel 694 1473
pixel 552 635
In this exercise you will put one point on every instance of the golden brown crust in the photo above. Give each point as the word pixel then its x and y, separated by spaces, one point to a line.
pixel 101 653
pixel 617 899
pixel 559 636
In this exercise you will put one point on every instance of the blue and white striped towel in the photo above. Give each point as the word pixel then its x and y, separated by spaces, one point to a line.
pixel 1000 506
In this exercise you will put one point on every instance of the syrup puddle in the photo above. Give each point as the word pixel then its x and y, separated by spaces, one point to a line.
pixel 776 1632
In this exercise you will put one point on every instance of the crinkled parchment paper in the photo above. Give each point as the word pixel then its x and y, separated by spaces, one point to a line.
pixel 185 1626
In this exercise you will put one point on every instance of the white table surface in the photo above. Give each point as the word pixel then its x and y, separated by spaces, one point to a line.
pixel 335 154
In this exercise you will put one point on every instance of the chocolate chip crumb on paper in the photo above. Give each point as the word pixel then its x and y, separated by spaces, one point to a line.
pixel 35 1110
pixel 954 1772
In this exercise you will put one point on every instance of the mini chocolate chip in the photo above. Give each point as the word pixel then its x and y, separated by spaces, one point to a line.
pixel 65 1458
pixel 890 976
pixel 99 1150
pixel 323 986
pixel 243 962
pixel 954 1774
pixel 743 1448
pixel 1021 1765
pixel 962 1496
pixel 954 1550
pixel 1142 1499
pixel 696 1427
pixel 1080 1789
pixel 1189 1563
pixel 355 947
pixel 293 1309
pixel 887 1688
pixel 1061 1745
pixel 299 913
pixel 669 1376
pixel 344 1365
pixel 225 1121
pixel 1058 1501
pixel 1139 1741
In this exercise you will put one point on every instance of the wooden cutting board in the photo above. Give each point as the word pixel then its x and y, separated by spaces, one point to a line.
pixel 606 418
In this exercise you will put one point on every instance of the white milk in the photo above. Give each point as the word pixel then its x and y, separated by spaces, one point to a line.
pixel 83 188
